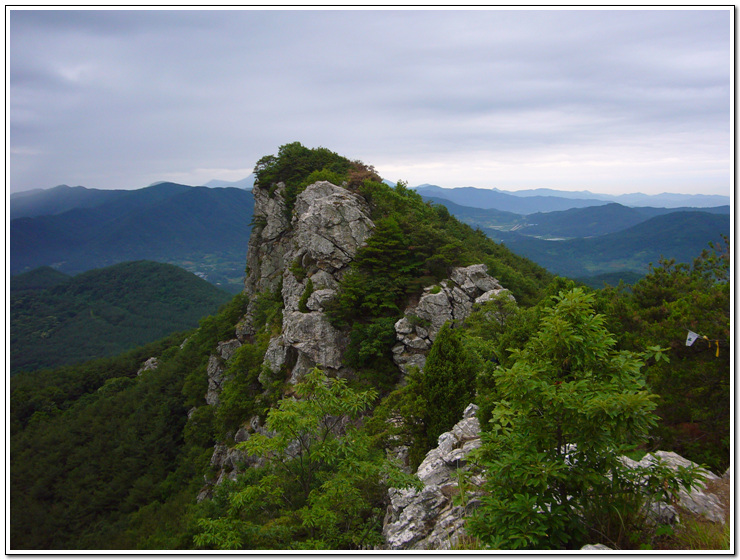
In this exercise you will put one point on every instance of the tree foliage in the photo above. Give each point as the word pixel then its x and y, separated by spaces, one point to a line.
pixel 567 406
pixel 694 388
pixel 323 484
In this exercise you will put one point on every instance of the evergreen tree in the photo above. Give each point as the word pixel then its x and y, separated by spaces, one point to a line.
pixel 447 383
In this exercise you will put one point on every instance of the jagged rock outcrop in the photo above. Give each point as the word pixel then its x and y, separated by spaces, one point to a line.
pixel 227 462
pixel 452 301
pixel 216 369
pixel 433 518
pixel 149 365
pixel 306 257
pixel 304 254
pixel 698 501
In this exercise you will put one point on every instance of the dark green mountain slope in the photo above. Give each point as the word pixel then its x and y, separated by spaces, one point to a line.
pixel 574 222
pixel 677 235
pixel 104 312
pixel 582 222
pixel 203 230
pixel 44 202
pixel 37 279
pixel 481 217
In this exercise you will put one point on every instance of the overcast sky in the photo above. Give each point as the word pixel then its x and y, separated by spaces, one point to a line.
pixel 607 101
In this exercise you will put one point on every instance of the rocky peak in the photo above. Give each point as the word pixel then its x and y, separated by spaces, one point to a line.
pixel 308 258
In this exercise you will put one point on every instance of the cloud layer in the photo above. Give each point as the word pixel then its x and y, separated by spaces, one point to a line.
pixel 610 101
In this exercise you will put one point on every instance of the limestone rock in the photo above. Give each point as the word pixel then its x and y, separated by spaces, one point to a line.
pixel 312 335
pixel 451 301
pixel 149 365
pixel 330 224
pixel 431 518
pixel 266 249
pixel 697 500
pixel 216 368
pixel 327 226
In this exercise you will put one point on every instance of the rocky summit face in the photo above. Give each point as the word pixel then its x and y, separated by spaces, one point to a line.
pixel 306 252
pixel 452 301
pixel 315 247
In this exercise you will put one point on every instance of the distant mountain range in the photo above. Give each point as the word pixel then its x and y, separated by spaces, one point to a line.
pixel 56 319
pixel 549 200
pixel 49 202
pixel 600 243
pixel 206 229
pixel 246 183
pixel 74 229
pixel 678 235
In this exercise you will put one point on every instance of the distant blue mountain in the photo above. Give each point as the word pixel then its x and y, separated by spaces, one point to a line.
pixel 44 202
pixel 204 230
pixel 675 235
pixel 246 183
pixel 490 198
pixel 548 200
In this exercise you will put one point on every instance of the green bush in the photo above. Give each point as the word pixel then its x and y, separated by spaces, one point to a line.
pixel 567 407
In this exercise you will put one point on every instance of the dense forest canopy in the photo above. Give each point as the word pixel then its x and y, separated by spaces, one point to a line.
pixel 103 458
pixel 59 320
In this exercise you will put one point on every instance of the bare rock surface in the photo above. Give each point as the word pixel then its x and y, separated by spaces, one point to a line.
pixel 451 301
pixel 432 518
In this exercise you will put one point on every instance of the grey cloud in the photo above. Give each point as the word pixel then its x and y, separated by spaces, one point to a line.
pixel 169 91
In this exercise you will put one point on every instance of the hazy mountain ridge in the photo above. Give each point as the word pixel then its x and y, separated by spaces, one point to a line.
pixel 600 241
pixel 60 199
pixel 205 230
pixel 487 199
pixel 170 222
pixel 246 183
pixel 495 198
pixel 677 235
pixel 57 321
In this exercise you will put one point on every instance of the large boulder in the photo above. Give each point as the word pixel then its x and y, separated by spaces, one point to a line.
pixel 698 500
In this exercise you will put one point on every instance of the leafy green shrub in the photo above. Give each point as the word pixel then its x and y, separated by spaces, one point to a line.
pixel 298 270
pixel 326 494
pixel 324 175
pixel 694 387
pixel 293 165
pixel 239 395
pixel 447 383
pixel 268 310
pixel 567 407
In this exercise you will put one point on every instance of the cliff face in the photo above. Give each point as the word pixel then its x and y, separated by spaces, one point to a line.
pixel 304 257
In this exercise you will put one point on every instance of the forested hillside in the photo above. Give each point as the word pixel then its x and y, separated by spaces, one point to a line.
pixel 680 236
pixel 370 320
pixel 200 229
pixel 59 320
